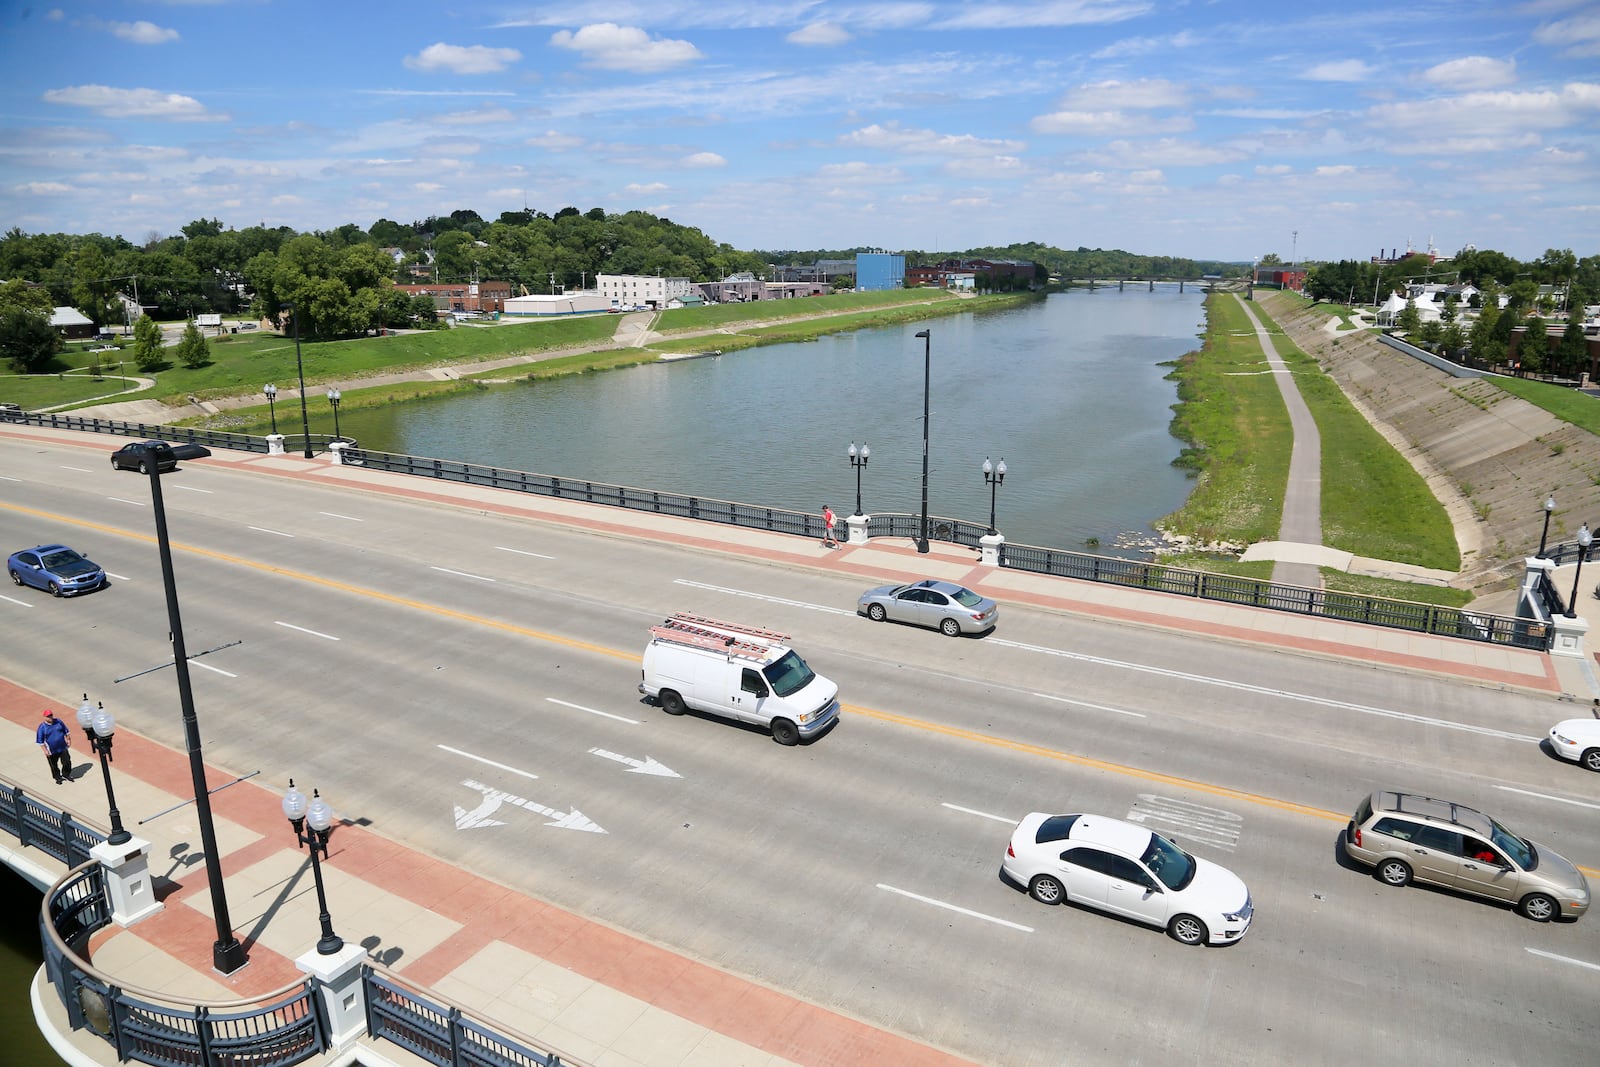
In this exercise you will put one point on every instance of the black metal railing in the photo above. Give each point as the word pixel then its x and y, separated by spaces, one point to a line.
pixel 1397 614
pixel 237 442
pixel 444 1035
pixel 52 832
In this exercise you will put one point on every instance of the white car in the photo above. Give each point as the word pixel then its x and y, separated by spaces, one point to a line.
pixel 1127 870
pixel 1577 740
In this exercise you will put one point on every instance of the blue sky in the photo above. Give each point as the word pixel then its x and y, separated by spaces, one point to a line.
pixel 1215 130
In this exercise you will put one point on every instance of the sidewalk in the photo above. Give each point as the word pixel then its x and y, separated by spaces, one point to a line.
pixel 589 992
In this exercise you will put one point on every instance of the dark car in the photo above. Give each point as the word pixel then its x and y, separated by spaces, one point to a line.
pixel 132 457
pixel 55 568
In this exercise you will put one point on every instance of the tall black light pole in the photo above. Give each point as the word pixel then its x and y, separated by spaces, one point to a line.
pixel 992 477
pixel 227 953
pixel 272 407
pixel 300 369
pixel 320 818
pixel 1549 506
pixel 927 377
pixel 858 460
pixel 98 726
pixel 333 398
pixel 1584 540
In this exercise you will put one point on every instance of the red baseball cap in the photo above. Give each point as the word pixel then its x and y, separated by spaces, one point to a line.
pixel 49 714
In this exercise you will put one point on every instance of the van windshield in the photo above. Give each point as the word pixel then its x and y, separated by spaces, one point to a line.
pixel 789 675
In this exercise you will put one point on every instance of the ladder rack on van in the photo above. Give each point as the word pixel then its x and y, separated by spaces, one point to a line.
pixel 686 629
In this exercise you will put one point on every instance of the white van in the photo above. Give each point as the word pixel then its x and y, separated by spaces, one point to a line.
pixel 739 673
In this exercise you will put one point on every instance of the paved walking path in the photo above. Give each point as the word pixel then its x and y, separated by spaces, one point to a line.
pixel 586 990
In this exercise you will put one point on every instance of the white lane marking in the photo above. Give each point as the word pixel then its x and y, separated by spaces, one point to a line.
pixel 1190 821
pixel 464 574
pixel 571 819
pixel 192 489
pixel 980 814
pixel 1565 959
pixel 1262 690
pixel 648 765
pixel 206 666
pixel 125 500
pixel 592 711
pixel 489 762
pixel 958 910
pixel 520 552
pixel 13 600
pixel 4 478
pixel 302 629
pixel 1547 796
pixel 263 529
pixel 118 577
pixel 762 596
pixel 336 515
pixel 1096 707
pixel 80 470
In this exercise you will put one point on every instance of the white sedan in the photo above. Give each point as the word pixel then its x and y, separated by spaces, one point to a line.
pixel 1577 740
pixel 1127 870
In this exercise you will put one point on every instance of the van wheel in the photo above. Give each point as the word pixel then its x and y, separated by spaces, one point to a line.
pixel 671 702
pixel 785 732
pixel 1591 759
pixel 1539 908
pixel 1395 873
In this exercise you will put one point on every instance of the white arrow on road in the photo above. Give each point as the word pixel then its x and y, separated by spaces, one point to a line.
pixel 571 819
pixel 478 816
pixel 648 765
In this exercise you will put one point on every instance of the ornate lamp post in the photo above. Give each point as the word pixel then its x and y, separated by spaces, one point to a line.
pixel 858 460
pixel 272 407
pixel 319 817
pixel 98 726
pixel 333 398
pixel 927 375
pixel 1584 540
pixel 992 477
pixel 300 370
pixel 1549 506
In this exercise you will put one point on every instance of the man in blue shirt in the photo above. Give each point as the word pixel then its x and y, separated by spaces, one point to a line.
pixel 54 740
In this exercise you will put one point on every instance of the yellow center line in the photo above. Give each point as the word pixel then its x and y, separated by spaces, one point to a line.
pixel 956 732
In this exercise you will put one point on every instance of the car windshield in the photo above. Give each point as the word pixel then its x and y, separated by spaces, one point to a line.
pixel 789 675
pixel 1522 852
pixel 64 557
pixel 967 598
pixel 1168 862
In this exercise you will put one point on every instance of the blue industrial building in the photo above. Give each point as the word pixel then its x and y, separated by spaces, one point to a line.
pixel 880 270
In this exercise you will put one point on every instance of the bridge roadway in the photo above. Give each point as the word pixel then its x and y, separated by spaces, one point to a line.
pixel 407 644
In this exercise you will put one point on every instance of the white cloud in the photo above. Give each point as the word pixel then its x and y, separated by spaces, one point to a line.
pixel 1578 36
pixel 1472 72
pixel 556 141
pixel 463 59
pixel 607 46
pixel 1274 169
pixel 1141 46
pixel 42 188
pixel 1096 122
pixel 894 138
pixel 1339 70
pixel 1167 152
pixel 1490 114
pixel 700 160
pixel 427 187
pixel 1336 170
pixel 821 34
pixel 645 188
pixel 133 103
pixel 1050 13
pixel 142 32
pixel 1142 93
pixel 481 116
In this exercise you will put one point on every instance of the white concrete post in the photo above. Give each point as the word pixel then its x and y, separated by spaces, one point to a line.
pixel 342 990
pixel 857 525
pixel 274 444
pixel 989 549
pixel 336 451
pixel 128 883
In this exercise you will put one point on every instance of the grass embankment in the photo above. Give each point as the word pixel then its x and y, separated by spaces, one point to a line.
pixel 1238 436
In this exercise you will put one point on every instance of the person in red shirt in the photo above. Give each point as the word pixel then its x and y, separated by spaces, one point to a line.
pixel 828 540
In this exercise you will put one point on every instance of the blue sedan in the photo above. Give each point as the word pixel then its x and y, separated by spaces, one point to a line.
pixel 55 568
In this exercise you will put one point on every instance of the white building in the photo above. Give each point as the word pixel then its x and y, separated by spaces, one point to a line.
pixel 635 290
pixel 577 302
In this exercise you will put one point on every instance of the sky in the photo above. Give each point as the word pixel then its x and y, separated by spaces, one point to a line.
pixel 1223 130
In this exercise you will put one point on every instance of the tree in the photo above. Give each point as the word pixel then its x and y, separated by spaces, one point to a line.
pixel 1452 339
pixel 1410 319
pixel 147 351
pixel 1533 351
pixel 193 350
pixel 1571 356
pixel 27 340
pixel 1488 347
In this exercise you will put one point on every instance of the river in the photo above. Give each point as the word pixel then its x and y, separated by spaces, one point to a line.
pixel 1070 391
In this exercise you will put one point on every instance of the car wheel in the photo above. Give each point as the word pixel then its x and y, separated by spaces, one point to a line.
pixel 16 579
pixel 785 732
pixel 1590 759
pixel 114 464
pixel 1188 930
pixel 951 627
pixel 142 468
pixel 876 612
pixel 55 588
pixel 1539 908
pixel 671 702
pixel 1046 890
pixel 1394 872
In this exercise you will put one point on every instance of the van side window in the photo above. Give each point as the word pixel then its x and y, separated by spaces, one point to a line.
pixel 750 681
pixel 1395 828
pixel 1438 839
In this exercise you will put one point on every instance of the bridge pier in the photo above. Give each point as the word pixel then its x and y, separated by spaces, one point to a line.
pixel 1120 283
pixel 1152 286
pixel 1180 288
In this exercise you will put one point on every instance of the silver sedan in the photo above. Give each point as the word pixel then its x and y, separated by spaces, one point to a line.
pixel 944 606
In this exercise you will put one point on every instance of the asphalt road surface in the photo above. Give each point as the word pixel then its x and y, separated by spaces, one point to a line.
pixel 404 657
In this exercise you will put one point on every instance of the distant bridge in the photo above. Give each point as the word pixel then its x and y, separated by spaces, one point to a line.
pixel 1122 283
